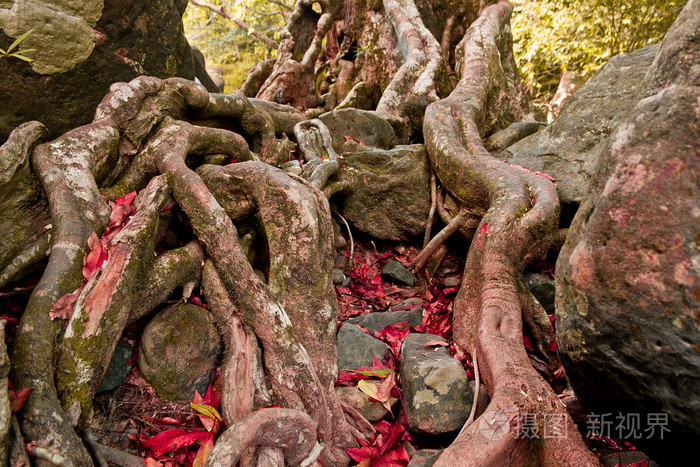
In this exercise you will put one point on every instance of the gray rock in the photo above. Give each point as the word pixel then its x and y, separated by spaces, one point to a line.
pixel 356 347
pixel 627 277
pixel 542 288
pixel 81 49
pixel 397 273
pixel 373 411
pixel 451 281
pixel 385 193
pixel 363 125
pixel 568 148
pixel 179 352
pixel 425 457
pixel 380 319
pixel 117 369
pixel 437 396
pixel 338 276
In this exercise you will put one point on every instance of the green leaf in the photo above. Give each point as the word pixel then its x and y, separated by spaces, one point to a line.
pixel 22 57
pixel 20 39
pixel 3 52
pixel 207 410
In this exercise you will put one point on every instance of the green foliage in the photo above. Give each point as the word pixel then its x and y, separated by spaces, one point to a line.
pixel 222 42
pixel 8 53
pixel 581 35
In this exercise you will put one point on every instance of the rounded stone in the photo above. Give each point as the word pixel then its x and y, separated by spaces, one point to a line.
pixel 179 352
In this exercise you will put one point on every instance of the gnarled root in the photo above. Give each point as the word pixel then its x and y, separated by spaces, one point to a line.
pixel 518 226
pixel 291 430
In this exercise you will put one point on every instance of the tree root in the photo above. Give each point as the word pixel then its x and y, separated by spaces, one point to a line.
pixel 518 226
pixel 291 430
pixel 422 78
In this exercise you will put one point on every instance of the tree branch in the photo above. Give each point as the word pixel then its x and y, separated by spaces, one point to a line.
pixel 219 10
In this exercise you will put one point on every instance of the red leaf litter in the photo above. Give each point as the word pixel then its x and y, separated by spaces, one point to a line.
pixel 367 293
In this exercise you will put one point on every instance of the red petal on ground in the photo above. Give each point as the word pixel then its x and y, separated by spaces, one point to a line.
pixel 94 259
pixel 172 440
pixel 360 454
pixel 547 176
pixel 18 397
pixel 164 420
pixel 393 458
pixel 150 462
pixel 484 230
pixel 126 199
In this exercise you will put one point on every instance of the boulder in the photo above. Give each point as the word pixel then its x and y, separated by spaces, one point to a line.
pixel 82 48
pixel 568 148
pixel 437 397
pixel 356 347
pixel 364 126
pixel 180 350
pixel 542 288
pixel 628 276
pixel 385 193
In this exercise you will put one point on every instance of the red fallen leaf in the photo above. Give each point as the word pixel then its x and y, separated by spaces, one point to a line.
pixel 168 206
pixel 164 420
pixel 64 306
pixel 204 452
pixel 172 440
pixel 206 406
pixel 484 229
pixel 396 457
pixel 197 301
pixel 362 453
pixel 350 138
pixel 394 334
pixel 126 199
pixel 552 346
pixel 527 342
pixel 95 258
pixel 18 397
pixel 150 462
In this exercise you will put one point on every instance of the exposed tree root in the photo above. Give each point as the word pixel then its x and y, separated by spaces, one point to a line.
pixel 422 78
pixel 518 226
pixel 291 430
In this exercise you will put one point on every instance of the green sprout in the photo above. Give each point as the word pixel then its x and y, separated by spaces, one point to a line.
pixel 8 53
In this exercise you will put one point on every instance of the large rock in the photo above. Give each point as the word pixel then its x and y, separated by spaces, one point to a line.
pixel 372 410
pixel 568 148
pixel 628 276
pixel 180 350
pixel 437 397
pixel 356 347
pixel 385 193
pixel 81 48
pixel 362 125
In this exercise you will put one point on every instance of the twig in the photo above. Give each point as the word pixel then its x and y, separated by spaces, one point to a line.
pixel 433 206
pixel 424 256
pixel 352 243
